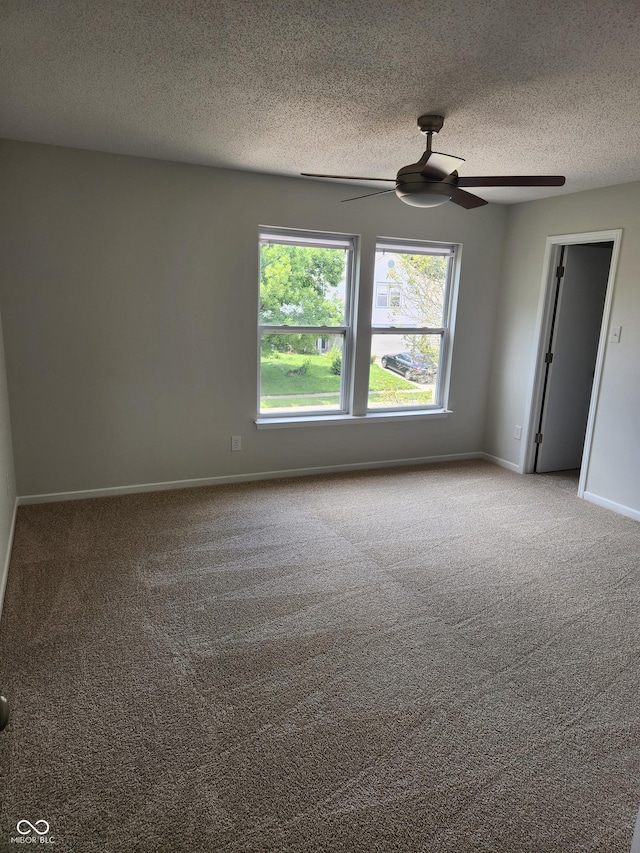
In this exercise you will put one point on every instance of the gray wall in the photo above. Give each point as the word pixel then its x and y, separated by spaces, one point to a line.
pixel 614 471
pixel 129 297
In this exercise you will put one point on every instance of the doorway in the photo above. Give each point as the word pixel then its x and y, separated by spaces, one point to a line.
pixel 573 322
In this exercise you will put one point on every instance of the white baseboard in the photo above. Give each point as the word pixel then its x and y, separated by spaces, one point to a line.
pixel 621 509
pixel 4 574
pixel 239 478
pixel 512 466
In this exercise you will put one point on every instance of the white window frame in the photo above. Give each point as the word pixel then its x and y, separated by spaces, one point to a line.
pixel 412 247
pixel 320 240
pixel 355 293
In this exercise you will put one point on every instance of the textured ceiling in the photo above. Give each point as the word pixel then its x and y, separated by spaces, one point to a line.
pixel 286 86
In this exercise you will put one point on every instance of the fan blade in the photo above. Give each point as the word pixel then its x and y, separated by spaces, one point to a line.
pixel 514 181
pixel 344 177
pixel 440 165
pixel 467 200
pixel 380 192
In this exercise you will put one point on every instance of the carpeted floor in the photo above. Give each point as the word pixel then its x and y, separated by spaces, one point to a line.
pixel 443 659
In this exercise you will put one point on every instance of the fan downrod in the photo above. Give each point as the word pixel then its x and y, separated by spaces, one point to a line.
pixel 430 123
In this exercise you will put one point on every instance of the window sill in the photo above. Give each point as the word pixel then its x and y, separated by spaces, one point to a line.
pixel 370 417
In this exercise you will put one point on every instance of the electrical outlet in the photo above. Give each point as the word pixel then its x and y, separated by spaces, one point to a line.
pixel 236 442
pixel 517 433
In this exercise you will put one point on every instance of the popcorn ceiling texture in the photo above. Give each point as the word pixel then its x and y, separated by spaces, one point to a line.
pixel 333 86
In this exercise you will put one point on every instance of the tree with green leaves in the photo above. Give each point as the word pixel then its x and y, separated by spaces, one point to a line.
pixel 300 286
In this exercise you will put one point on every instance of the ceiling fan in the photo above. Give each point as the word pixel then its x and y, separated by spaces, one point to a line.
pixel 434 179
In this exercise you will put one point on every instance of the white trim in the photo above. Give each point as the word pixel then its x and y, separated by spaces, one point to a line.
pixel 503 463
pixel 240 478
pixel 415 247
pixel 543 327
pixel 408 330
pixel 7 559
pixel 312 420
pixel 621 509
pixel 317 331
pixel 302 237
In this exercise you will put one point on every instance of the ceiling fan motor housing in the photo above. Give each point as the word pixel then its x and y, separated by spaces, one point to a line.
pixel 420 191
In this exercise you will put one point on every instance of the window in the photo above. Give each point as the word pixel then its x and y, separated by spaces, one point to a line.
pixel 394 297
pixel 388 295
pixel 382 295
pixel 307 357
pixel 305 322
pixel 409 344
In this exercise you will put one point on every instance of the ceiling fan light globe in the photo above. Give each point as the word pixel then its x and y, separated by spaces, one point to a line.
pixel 422 194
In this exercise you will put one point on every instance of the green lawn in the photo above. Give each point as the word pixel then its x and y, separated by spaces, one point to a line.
pixel 317 380
pixel 393 398
pixel 283 387
pixel 320 401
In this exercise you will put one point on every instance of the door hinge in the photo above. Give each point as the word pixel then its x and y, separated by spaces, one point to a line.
pixel 560 272
pixel 538 438
pixel 548 358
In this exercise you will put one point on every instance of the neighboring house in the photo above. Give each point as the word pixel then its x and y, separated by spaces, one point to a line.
pixel 388 293
pixel 388 302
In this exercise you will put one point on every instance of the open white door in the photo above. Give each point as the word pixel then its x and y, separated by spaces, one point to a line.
pixel 574 346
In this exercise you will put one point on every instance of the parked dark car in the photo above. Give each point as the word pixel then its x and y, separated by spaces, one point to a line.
pixel 414 368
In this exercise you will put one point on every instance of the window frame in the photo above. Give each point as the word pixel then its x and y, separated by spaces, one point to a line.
pixel 423 247
pixel 359 324
pixel 316 240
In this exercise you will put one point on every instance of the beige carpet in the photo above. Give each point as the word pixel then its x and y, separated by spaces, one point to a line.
pixel 442 659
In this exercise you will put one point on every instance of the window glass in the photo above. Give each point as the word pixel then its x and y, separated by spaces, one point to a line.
pixel 417 284
pixel 300 373
pixel 304 322
pixel 404 370
pixel 410 330
pixel 302 285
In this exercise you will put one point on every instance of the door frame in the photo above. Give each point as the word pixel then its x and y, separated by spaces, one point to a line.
pixel 544 320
